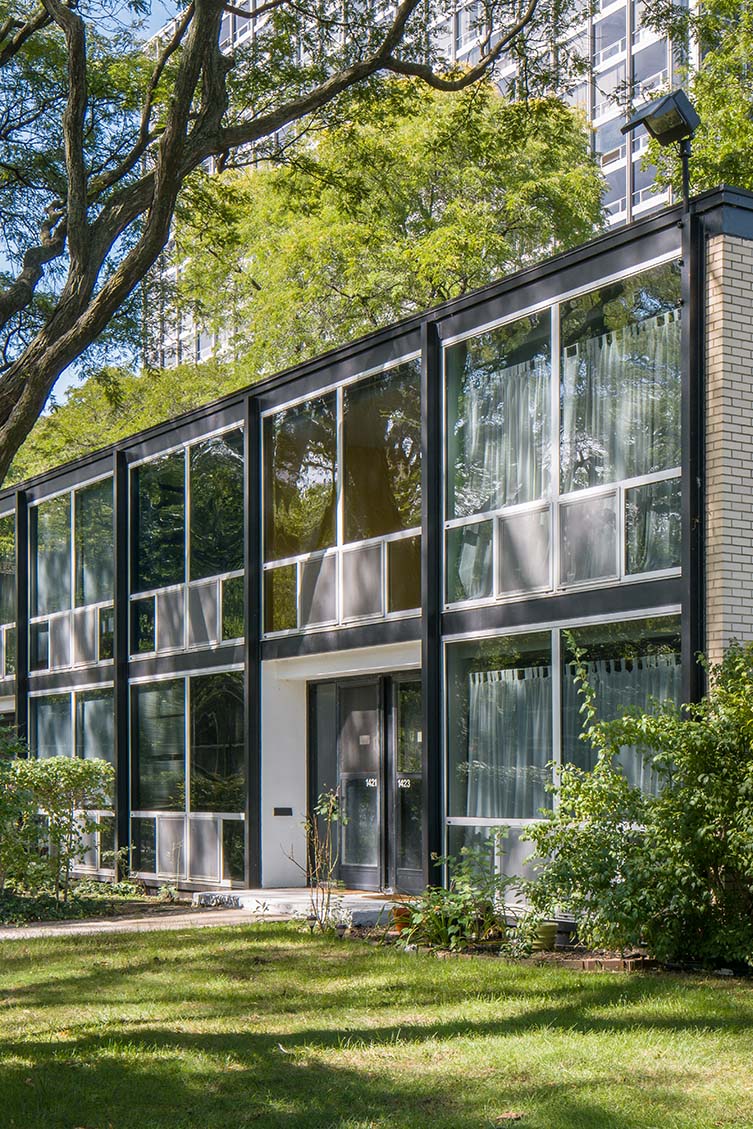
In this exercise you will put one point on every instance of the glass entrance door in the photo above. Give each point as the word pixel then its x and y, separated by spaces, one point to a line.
pixel 367 741
pixel 360 764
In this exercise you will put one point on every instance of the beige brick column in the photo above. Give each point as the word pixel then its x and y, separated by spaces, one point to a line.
pixel 729 443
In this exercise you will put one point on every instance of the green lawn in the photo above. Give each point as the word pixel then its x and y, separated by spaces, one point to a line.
pixel 262 1026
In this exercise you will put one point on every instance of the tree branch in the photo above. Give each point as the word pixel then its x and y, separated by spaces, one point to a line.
pixel 74 117
pixel 24 31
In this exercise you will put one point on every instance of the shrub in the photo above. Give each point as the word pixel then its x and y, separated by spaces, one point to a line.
pixel 472 910
pixel 62 789
pixel 673 870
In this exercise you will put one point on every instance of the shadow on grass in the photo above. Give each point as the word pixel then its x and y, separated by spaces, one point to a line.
pixel 170 1031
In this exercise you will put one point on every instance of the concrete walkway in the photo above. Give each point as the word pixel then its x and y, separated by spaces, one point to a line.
pixel 197 919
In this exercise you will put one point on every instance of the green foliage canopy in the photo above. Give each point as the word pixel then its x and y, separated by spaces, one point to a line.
pixel 417 199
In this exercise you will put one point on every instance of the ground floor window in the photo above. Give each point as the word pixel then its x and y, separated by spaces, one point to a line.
pixel 189 777
pixel 509 718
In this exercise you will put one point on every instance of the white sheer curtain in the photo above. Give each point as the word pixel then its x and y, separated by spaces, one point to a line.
pixel 503 445
pixel 621 408
pixel 509 742
pixel 620 683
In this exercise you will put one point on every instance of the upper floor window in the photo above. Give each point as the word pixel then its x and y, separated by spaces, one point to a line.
pixel 204 480
pixel 8 569
pixel 342 503
pixel 564 469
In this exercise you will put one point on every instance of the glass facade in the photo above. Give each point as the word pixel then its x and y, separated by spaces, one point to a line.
pixel 553 427
pixel 342 515
pixel 605 412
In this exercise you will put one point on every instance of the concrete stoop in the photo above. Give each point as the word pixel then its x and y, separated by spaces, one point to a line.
pixel 364 908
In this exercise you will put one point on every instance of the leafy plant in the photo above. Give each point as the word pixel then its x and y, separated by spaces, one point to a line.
pixel 62 790
pixel 473 909
pixel 672 870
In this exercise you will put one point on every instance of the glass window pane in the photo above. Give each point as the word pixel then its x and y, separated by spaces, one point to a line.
pixel 362 582
pixel 300 459
pixel 621 374
pixel 404 574
pixel 233 603
pixel 524 552
pixel 202 614
pixel 498 413
pixel 158 522
pixel 144 845
pixel 95 725
pixel 50 537
pixel 143 625
pixel 280 599
pixel 469 562
pixel 499 714
pixel 588 536
pixel 94 543
pixel 107 633
pixel 233 850
pixel 50 728
pixel 217 505
pixel 204 849
pixel 60 642
pixel 10 651
pixel 159 746
pixel 382 436
pixel 218 776
pixel 171 619
pixel 8 569
pixel 85 625
pixel 628 665
pixel 653 526
pixel 318 591
pixel 39 645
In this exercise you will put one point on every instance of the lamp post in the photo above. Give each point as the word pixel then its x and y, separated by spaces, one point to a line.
pixel 669 119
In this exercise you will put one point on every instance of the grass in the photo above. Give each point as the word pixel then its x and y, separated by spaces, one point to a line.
pixel 263 1026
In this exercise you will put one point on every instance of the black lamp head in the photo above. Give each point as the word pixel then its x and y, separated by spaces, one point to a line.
pixel 668 119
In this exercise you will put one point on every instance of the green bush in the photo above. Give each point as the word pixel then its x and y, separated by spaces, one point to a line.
pixel 673 871
pixel 472 910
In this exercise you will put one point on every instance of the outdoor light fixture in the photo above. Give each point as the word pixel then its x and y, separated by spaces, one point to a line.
pixel 669 119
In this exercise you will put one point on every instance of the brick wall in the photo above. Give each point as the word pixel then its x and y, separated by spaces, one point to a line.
pixel 729 443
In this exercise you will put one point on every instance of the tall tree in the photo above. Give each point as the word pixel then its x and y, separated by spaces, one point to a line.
pixel 417 198
pixel 97 137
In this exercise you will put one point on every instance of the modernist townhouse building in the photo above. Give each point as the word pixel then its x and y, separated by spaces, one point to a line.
pixel 372 573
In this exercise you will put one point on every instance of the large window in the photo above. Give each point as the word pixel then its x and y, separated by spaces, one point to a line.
pixel 187 546
pixel 94 541
pixel 71 577
pixel 504 734
pixel 218 780
pixel 498 418
pixel 189 779
pixel 630 665
pixel 51 726
pixel 499 703
pixel 300 461
pixel 342 531
pixel 158 523
pixel 515 526
pixel 621 381
pixel 382 439
pixel 159 754
pixel 50 537
pixel 216 477
pixel 7 595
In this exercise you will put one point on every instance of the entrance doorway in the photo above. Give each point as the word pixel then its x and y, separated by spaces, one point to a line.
pixel 366 740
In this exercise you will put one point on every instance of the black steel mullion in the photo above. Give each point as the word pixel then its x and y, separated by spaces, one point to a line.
pixel 252 640
pixel 431 591
pixel 120 655
pixel 693 459
pixel 22 614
